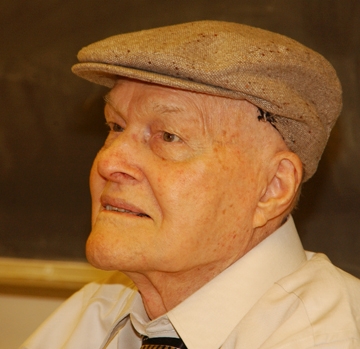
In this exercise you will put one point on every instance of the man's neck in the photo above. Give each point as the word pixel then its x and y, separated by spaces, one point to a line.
pixel 162 291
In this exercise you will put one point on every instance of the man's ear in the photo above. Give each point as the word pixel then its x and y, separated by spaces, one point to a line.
pixel 284 178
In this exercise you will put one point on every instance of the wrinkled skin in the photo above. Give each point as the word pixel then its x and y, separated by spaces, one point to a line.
pixel 175 188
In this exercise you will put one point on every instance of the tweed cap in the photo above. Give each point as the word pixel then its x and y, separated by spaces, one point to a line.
pixel 296 85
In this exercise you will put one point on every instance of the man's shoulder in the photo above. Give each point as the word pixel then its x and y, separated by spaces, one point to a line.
pixel 316 305
pixel 327 298
pixel 318 276
pixel 86 317
pixel 325 291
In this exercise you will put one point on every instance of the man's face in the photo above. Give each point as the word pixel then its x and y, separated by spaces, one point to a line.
pixel 175 186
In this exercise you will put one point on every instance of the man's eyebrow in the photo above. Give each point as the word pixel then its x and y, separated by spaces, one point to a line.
pixel 159 108
pixel 167 109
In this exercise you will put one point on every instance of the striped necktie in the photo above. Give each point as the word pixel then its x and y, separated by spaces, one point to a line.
pixel 162 343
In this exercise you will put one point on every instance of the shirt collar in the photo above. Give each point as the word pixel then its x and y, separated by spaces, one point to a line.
pixel 207 317
pixel 159 327
pixel 133 316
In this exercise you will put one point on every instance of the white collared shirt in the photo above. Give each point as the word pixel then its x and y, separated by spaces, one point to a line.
pixel 276 296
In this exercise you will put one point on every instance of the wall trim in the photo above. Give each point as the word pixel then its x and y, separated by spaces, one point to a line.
pixel 46 277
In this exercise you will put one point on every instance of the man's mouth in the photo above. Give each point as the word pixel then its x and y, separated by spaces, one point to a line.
pixel 117 209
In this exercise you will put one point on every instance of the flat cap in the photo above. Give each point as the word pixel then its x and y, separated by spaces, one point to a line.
pixel 298 86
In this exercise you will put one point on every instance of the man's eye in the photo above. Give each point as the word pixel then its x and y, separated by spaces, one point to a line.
pixel 170 137
pixel 114 127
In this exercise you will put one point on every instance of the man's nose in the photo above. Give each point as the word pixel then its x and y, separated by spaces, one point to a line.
pixel 121 159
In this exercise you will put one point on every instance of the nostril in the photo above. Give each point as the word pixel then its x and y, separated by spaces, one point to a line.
pixel 120 176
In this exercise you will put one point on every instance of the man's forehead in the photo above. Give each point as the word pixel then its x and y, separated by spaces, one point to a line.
pixel 171 100
pixel 213 116
pixel 154 103
pixel 163 100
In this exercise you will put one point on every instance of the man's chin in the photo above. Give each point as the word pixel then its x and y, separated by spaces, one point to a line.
pixel 98 254
pixel 110 254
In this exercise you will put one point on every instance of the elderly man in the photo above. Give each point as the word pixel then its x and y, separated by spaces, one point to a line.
pixel 213 127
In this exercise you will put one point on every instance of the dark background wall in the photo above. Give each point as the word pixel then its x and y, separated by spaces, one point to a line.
pixel 51 122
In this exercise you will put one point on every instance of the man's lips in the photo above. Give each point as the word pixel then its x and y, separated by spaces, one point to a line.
pixel 117 209
pixel 117 205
